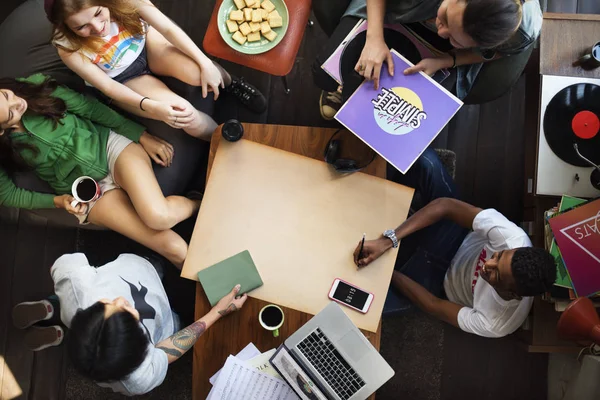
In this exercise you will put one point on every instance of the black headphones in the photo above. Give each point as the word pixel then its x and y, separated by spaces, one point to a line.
pixel 343 165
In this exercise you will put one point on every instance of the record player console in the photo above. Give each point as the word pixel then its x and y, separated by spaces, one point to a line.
pixel 569 140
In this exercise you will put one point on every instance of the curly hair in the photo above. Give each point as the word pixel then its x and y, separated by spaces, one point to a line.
pixel 534 271
pixel 491 22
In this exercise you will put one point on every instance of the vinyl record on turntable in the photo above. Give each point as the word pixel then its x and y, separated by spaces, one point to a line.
pixel 573 116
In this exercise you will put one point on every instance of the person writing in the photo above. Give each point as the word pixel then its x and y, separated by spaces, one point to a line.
pixel 467 34
pixel 122 333
pixel 483 262
pixel 120 47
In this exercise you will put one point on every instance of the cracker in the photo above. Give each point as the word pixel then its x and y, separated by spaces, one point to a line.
pixel 256 16
pixel 238 37
pixel 239 4
pixel 264 27
pixel 232 26
pixel 267 5
pixel 254 26
pixel 236 15
pixel 271 35
pixel 275 22
pixel 245 29
pixel 254 37
pixel 247 14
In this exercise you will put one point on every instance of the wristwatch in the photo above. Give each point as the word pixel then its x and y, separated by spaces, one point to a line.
pixel 390 234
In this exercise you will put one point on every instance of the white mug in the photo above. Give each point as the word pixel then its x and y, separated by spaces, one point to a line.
pixel 78 198
pixel 265 325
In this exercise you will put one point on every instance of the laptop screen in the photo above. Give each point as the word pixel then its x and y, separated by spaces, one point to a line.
pixel 293 374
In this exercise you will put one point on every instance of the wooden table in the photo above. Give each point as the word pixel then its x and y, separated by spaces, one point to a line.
pixel 234 332
pixel 565 38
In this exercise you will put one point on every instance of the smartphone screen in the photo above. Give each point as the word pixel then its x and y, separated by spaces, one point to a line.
pixel 350 295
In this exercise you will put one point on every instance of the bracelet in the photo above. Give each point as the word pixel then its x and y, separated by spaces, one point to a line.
pixel 453 60
pixel 141 101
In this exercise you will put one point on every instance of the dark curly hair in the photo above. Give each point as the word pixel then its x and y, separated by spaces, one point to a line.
pixel 106 350
pixel 491 22
pixel 534 271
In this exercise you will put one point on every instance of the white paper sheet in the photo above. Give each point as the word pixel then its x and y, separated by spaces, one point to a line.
pixel 238 381
pixel 247 353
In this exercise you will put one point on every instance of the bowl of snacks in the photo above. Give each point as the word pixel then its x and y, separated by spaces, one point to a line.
pixel 252 26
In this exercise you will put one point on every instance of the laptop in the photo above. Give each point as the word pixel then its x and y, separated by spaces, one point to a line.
pixel 330 359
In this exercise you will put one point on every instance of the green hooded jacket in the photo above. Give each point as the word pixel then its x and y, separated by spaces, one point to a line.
pixel 74 148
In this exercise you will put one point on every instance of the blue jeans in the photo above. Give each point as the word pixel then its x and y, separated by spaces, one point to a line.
pixel 425 255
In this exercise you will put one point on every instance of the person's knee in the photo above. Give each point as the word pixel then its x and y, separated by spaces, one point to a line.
pixel 429 162
pixel 203 126
pixel 175 249
pixel 157 216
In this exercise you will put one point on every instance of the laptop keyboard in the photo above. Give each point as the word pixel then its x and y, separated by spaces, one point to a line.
pixel 325 358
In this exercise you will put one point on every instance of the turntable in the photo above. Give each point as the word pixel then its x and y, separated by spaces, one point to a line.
pixel 569 141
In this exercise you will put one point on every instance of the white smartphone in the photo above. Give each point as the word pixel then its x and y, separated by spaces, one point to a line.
pixel 350 295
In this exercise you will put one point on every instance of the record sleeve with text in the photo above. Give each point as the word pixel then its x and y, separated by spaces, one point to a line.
pixel 578 237
pixel 402 117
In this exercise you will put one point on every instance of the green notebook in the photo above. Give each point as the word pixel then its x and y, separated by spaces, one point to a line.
pixel 219 279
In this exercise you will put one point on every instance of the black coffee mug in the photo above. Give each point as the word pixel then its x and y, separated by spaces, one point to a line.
pixel 232 130
pixel 590 60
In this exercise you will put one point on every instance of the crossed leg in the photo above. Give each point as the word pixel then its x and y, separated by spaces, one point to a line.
pixel 116 212
pixel 133 172
pixel 140 211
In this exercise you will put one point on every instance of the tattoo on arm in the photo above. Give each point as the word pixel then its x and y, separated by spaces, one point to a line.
pixel 180 342
pixel 230 308
pixel 185 338
pixel 171 351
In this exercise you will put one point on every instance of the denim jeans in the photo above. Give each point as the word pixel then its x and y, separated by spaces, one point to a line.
pixel 425 255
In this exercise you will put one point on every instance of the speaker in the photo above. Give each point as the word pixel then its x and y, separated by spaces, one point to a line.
pixel 580 322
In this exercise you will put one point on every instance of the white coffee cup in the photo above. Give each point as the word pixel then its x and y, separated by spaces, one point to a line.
pixel 85 194
pixel 278 318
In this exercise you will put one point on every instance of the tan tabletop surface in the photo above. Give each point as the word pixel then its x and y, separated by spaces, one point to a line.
pixel 233 333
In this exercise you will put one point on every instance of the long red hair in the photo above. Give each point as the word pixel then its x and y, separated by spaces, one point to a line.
pixel 123 12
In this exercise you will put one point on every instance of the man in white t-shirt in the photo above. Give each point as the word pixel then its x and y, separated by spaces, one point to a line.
pixel 122 332
pixel 488 274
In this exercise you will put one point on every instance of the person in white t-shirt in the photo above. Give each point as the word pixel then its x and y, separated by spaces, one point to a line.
pixel 488 274
pixel 122 332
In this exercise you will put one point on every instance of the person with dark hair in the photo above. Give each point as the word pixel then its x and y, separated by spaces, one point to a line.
pixel 465 33
pixel 126 343
pixel 482 262
pixel 62 135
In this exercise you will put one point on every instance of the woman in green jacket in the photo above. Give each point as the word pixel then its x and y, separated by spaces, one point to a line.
pixel 62 135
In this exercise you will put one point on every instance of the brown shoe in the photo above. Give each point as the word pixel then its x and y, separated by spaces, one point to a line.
pixel 28 313
pixel 37 338
pixel 330 103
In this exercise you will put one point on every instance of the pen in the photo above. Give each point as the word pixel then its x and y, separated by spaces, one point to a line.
pixel 362 245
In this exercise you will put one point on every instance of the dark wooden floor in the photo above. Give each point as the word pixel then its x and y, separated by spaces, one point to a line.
pixel 488 140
